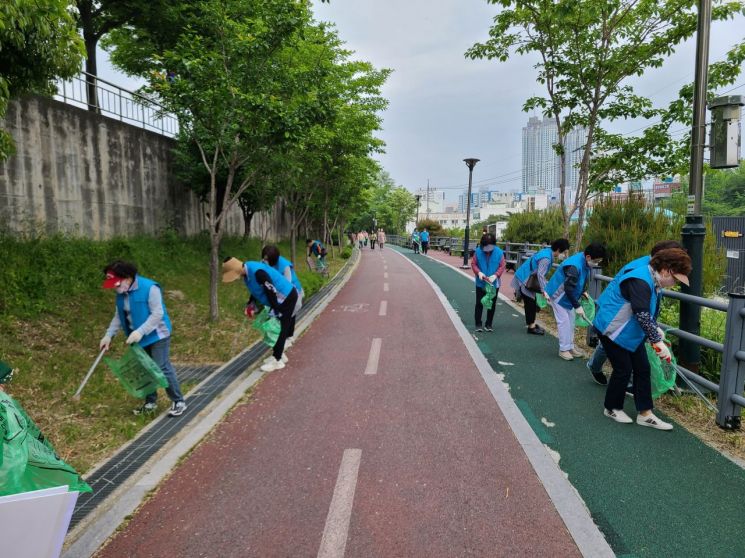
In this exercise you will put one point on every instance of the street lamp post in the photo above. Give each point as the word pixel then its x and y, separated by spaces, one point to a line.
pixel 694 230
pixel 470 163
pixel 418 197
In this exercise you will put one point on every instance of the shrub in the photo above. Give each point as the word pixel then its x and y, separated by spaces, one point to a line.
pixel 535 227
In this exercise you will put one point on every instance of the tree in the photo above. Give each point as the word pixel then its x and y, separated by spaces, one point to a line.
pixel 39 43
pixel 587 51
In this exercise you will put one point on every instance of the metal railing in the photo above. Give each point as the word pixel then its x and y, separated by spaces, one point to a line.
pixel 729 390
pixel 117 103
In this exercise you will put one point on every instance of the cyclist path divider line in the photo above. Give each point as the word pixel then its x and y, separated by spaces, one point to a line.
pixel 437 470
pixel 652 493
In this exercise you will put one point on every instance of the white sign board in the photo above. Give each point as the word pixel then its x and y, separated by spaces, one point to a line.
pixel 733 254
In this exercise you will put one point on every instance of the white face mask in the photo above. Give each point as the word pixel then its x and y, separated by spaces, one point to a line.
pixel 123 287
pixel 562 256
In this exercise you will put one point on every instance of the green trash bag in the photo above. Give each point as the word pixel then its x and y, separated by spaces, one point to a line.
pixel 137 372
pixel 661 373
pixel 28 460
pixel 540 301
pixel 488 299
pixel 588 305
pixel 269 326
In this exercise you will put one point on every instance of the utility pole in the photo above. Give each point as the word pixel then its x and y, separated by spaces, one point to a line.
pixel 428 199
pixel 694 230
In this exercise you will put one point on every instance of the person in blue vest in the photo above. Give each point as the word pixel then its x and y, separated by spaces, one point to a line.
pixel 270 254
pixel 626 318
pixel 415 240
pixel 564 290
pixel 318 251
pixel 268 287
pixel 539 264
pixel 424 238
pixel 598 358
pixel 141 313
pixel 488 265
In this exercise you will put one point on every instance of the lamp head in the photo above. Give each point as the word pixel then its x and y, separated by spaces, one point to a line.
pixel 470 163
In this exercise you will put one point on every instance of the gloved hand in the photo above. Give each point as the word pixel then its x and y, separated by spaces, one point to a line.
pixel 492 278
pixel 250 310
pixel 545 295
pixel 663 351
pixel 661 332
pixel 482 276
pixel 105 343
pixel 581 312
pixel 134 337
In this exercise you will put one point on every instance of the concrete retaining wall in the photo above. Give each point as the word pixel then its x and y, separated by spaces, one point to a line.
pixel 91 175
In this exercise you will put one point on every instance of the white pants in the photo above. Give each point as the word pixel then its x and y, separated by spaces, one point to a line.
pixel 565 325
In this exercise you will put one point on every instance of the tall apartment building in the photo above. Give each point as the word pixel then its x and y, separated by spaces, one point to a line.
pixel 541 164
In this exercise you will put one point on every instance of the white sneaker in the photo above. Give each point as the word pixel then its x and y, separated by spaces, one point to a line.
pixel 575 353
pixel 271 359
pixel 272 366
pixel 566 355
pixel 618 415
pixel 653 422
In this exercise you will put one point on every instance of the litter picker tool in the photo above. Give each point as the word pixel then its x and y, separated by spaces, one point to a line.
pixel 88 375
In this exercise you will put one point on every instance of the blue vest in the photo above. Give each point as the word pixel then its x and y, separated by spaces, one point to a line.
pixel 615 318
pixel 488 264
pixel 530 265
pixel 284 263
pixel 555 287
pixel 316 247
pixel 424 235
pixel 283 286
pixel 139 310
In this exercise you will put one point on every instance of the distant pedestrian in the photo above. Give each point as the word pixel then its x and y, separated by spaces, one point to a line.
pixel 361 239
pixel 373 240
pixel 381 238
pixel 488 265
pixel 564 291
pixel 625 319
pixel 317 252
pixel 270 254
pixel 532 273
pixel 598 358
pixel 141 313
pixel 424 236
pixel 415 241
pixel 269 288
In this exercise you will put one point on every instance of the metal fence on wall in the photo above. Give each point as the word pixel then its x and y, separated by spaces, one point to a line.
pixel 117 103
pixel 730 233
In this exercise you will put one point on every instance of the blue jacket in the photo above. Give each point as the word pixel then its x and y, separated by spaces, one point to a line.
pixel 555 287
pixel 284 263
pixel 139 310
pixel 283 286
pixel 424 236
pixel 615 318
pixel 530 265
pixel 488 264
pixel 316 247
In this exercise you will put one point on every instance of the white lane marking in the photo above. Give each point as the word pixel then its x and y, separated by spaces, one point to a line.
pixel 383 308
pixel 385 287
pixel 335 533
pixel 372 360
pixel 505 363
pixel 385 268
pixel 385 275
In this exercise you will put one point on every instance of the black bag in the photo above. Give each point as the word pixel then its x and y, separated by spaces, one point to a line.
pixel 532 284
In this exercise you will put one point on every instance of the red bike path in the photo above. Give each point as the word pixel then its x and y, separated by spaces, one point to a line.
pixel 440 472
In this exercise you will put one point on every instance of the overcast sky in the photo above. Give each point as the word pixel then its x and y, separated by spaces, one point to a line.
pixel 444 107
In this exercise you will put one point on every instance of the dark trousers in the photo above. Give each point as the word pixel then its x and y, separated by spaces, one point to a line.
pixel 372 244
pixel 531 309
pixel 626 364
pixel 425 246
pixel 480 308
pixel 287 320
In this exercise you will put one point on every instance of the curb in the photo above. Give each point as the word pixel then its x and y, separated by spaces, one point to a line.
pixel 88 536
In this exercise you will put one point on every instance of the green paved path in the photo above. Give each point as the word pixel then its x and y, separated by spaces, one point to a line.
pixel 652 493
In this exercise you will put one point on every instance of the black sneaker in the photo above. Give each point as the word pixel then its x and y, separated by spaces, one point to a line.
pixel 488 328
pixel 479 328
pixel 146 409
pixel 537 330
pixel 599 377
pixel 177 408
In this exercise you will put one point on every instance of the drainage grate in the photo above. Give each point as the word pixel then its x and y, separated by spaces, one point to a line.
pixel 121 466
pixel 194 373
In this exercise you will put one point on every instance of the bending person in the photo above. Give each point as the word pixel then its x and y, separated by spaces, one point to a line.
pixel 270 254
pixel 626 318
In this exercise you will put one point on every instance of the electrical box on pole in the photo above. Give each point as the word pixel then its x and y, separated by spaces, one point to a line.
pixel 725 139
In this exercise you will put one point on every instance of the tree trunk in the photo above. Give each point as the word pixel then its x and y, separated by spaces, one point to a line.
pixel 247 218
pixel 215 237
pixel 91 68
pixel 293 241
